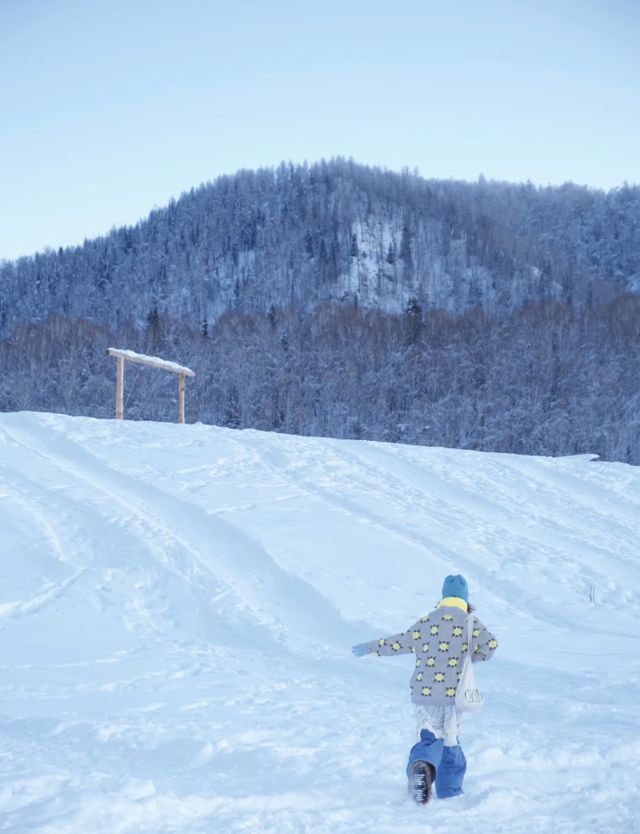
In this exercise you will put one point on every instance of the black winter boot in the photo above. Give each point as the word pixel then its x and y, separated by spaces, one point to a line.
pixel 420 780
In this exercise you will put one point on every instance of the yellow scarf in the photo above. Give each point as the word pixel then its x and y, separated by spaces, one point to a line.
pixel 448 602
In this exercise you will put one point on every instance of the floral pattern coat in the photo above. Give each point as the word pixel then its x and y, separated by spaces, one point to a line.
pixel 439 641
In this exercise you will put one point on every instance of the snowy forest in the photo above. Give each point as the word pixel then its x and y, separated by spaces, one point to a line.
pixel 344 300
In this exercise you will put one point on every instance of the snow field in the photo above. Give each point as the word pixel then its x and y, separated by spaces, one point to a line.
pixel 178 603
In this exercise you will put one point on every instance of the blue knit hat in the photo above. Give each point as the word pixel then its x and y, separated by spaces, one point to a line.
pixel 456 586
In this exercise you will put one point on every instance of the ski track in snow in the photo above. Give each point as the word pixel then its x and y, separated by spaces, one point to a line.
pixel 178 603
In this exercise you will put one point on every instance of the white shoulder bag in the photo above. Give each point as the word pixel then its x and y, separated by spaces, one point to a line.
pixel 468 696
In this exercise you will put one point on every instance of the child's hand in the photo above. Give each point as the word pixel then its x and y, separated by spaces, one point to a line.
pixel 361 649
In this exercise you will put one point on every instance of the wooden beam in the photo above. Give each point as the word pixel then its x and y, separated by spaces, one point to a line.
pixel 150 361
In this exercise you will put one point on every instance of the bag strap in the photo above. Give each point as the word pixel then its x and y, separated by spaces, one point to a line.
pixel 470 632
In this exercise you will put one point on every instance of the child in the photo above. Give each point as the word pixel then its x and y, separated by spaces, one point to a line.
pixel 439 641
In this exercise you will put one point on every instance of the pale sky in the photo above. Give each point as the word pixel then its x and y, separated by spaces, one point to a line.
pixel 111 107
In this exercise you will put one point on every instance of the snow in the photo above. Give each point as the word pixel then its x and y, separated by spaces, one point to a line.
pixel 178 603
pixel 153 361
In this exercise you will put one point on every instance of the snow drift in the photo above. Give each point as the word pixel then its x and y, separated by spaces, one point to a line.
pixel 178 603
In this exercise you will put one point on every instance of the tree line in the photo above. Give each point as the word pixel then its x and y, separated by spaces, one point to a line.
pixel 542 380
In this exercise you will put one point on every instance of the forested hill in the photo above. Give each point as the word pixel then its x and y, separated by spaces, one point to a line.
pixel 338 231
pixel 342 300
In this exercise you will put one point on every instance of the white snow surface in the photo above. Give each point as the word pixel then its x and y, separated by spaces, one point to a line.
pixel 178 604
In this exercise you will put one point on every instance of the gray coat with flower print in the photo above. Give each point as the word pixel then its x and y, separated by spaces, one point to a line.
pixel 439 641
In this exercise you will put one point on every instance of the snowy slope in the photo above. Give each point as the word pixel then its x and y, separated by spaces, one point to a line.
pixel 177 606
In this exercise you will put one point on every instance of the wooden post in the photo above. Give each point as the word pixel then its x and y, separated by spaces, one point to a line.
pixel 181 386
pixel 120 389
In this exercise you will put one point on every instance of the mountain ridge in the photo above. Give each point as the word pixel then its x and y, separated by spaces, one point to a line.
pixel 340 300
pixel 340 231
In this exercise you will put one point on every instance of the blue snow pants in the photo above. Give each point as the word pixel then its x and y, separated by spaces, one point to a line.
pixel 449 763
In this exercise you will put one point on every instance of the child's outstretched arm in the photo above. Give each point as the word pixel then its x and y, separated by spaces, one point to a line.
pixel 402 643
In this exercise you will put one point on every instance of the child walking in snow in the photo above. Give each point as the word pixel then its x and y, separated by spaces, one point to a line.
pixel 440 641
